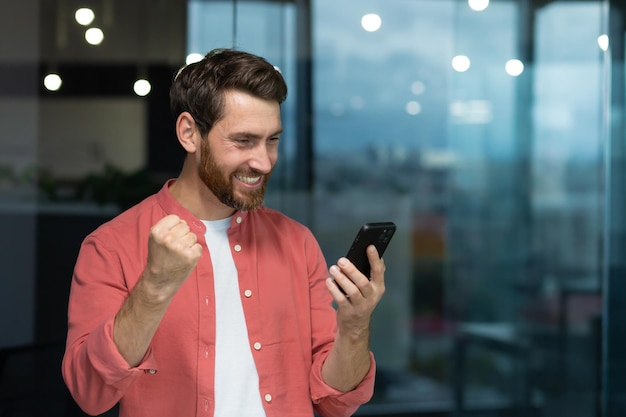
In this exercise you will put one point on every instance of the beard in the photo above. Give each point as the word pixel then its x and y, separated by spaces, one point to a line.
pixel 221 183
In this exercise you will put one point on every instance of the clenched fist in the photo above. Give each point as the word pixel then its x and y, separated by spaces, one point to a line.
pixel 173 252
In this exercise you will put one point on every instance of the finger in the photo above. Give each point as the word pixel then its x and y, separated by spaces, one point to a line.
pixel 347 285
pixel 372 253
pixel 196 249
pixel 192 253
pixel 356 276
pixel 179 230
pixel 335 291
pixel 167 222
pixel 377 265
pixel 159 230
pixel 170 231
pixel 187 240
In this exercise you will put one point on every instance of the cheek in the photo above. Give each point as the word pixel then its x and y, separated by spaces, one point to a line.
pixel 273 155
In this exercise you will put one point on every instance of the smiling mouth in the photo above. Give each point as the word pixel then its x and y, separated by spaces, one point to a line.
pixel 248 180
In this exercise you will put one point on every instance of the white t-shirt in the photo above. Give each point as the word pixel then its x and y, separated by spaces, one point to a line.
pixel 236 377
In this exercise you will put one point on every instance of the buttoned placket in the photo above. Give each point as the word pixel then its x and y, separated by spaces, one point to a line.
pixel 204 348
pixel 248 294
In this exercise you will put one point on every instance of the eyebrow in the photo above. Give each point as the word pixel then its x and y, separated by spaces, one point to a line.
pixel 251 135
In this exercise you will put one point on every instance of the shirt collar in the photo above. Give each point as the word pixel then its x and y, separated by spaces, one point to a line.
pixel 169 204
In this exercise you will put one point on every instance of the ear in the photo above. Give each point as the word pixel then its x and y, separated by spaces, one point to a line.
pixel 186 131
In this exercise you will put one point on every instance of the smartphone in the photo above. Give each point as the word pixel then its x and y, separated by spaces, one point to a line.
pixel 377 234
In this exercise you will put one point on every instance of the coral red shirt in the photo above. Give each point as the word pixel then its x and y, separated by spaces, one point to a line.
pixel 288 310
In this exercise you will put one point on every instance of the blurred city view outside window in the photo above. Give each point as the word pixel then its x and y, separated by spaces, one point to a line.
pixel 477 130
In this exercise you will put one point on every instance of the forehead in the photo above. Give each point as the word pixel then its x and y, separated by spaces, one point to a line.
pixel 243 106
pixel 247 115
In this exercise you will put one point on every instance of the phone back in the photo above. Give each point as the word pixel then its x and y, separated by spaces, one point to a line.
pixel 377 234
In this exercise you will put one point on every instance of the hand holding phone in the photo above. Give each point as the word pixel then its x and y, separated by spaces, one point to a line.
pixel 377 234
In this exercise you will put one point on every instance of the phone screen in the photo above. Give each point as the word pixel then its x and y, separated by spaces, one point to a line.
pixel 377 234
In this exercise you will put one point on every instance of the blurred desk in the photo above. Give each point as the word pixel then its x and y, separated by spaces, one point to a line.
pixel 502 338
pixel 580 302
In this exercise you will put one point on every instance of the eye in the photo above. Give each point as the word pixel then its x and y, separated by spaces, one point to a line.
pixel 242 141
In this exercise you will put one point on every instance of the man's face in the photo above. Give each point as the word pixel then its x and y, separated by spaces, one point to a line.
pixel 239 154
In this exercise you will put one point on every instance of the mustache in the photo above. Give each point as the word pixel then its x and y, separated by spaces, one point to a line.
pixel 251 172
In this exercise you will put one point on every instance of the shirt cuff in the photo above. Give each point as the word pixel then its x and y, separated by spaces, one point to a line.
pixel 110 364
pixel 359 395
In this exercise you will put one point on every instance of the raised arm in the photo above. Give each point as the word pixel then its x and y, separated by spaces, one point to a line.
pixel 110 329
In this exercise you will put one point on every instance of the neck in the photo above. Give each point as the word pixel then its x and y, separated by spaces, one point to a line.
pixel 193 194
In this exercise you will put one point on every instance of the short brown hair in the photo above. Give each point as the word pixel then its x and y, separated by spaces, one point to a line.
pixel 199 88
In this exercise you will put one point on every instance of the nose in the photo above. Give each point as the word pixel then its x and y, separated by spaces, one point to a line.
pixel 262 159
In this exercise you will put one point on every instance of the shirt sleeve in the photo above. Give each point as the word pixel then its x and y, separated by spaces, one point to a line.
pixel 328 401
pixel 331 402
pixel 94 371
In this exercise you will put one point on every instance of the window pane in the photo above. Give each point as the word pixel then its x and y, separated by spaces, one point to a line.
pixel 382 154
pixel 478 133
pixel 263 28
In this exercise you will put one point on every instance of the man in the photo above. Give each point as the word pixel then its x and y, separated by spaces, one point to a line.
pixel 199 301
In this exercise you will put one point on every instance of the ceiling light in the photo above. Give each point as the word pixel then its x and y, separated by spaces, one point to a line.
pixel 142 87
pixel 371 22
pixel 94 36
pixel 603 42
pixel 478 5
pixel 461 63
pixel 52 81
pixel 514 67
pixel 84 16
pixel 413 108
pixel 193 57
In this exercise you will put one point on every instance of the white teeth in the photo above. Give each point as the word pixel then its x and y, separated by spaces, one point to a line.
pixel 248 180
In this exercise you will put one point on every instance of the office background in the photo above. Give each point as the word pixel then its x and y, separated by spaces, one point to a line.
pixel 490 132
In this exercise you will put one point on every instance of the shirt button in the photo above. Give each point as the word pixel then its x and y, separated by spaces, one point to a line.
pixel 239 219
pixel 268 398
pixel 152 371
pixel 237 248
pixel 257 346
pixel 247 293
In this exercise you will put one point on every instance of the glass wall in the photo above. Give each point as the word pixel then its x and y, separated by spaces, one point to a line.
pixel 477 128
pixel 381 153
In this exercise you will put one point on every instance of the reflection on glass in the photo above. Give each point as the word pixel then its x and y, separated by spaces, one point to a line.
pixel 461 63
pixel 514 67
pixel 371 22
pixel 493 177
pixel 478 135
